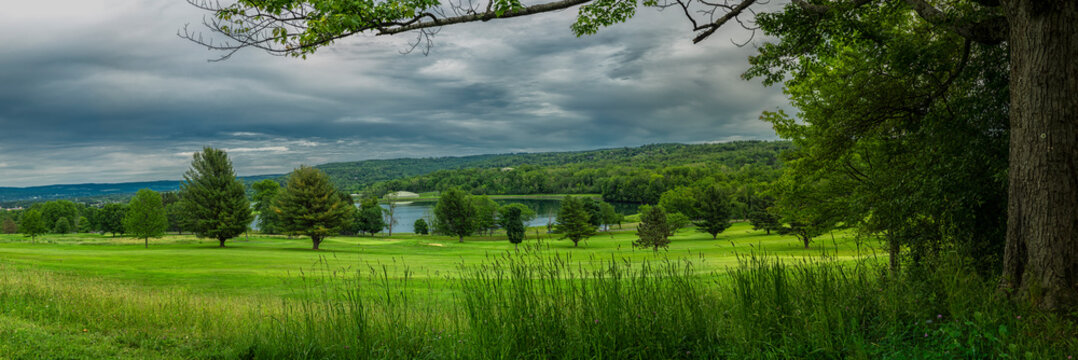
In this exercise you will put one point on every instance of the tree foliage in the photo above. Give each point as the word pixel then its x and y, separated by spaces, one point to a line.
pixel 654 231
pixel 369 217
pixel 111 218
pixel 9 226
pixel 265 195
pixel 514 225
pixel 574 221
pixel 713 210
pixel 32 224
pixel 456 214
pixel 420 227
pixel 214 200
pixel 145 216
pixel 62 226
pixel 312 206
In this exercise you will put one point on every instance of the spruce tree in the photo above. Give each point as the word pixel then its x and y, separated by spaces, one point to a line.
pixel 653 228
pixel 32 224
pixel 214 200
pixel 310 205
pixel 713 210
pixel 456 213
pixel 574 221
pixel 145 216
pixel 514 225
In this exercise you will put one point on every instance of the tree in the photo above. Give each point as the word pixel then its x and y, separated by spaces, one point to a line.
pixel 369 217
pixel 266 192
pixel 52 211
pixel 62 226
pixel 111 218
pixel 761 218
pixel 84 225
pixel 595 211
pixel 390 213
pixel 178 220
pixel 456 214
pixel 713 211
pixel 32 224
pixel 145 216
pixel 215 201
pixel 654 230
pixel 1042 208
pixel 610 215
pixel 526 214
pixel 9 227
pixel 486 213
pixel 574 222
pixel 514 225
pixel 675 221
pixel 682 199
pixel 420 227
pixel 310 205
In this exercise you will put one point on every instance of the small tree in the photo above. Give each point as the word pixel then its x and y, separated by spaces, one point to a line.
pixel 389 213
pixel 675 221
pixel 369 217
pixel 456 213
pixel 609 214
pixel 713 211
pixel 761 218
pixel 32 224
pixel 62 226
pixel 420 227
pixel 574 222
pixel 9 226
pixel 514 226
pixel 653 228
pixel 266 192
pixel 145 216
pixel 214 199
pixel 310 205
pixel 486 214
pixel 526 214
pixel 84 225
pixel 111 218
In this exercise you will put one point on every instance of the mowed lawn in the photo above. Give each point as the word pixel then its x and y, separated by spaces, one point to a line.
pixel 275 265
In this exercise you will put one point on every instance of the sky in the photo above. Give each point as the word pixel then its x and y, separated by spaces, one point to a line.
pixel 105 91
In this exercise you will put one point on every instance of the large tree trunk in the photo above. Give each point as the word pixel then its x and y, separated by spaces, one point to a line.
pixel 222 242
pixel 317 241
pixel 1041 257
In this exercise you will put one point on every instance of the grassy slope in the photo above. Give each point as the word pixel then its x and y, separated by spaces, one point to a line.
pixel 271 265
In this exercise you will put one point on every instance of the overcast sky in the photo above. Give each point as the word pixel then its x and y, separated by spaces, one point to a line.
pixel 104 91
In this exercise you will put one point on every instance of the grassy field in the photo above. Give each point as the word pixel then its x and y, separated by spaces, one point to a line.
pixel 743 295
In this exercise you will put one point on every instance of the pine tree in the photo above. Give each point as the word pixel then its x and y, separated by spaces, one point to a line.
pixel 713 211
pixel 456 213
pixel 311 206
pixel 420 227
pixel 514 226
pixel 145 216
pixel 653 228
pixel 574 221
pixel 214 200
pixel 32 224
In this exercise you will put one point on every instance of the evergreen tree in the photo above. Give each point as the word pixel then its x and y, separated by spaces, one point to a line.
pixel 62 226
pixel 574 222
pixel 369 217
pixel 32 224
pixel 653 228
pixel 761 218
pixel 145 216
pixel 9 226
pixel 456 213
pixel 420 227
pixel 312 206
pixel 266 192
pixel 514 226
pixel 526 214
pixel 214 200
pixel 675 221
pixel 84 225
pixel 111 218
pixel 713 211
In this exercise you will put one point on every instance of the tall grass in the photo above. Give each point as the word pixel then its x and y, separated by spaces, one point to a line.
pixel 533 304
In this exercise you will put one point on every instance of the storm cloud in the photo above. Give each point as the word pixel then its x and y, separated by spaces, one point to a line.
pixel 105 91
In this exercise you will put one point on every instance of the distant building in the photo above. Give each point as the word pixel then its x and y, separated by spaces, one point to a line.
pixel 402 195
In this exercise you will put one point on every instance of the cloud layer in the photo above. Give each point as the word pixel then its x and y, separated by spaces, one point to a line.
pixel 110 93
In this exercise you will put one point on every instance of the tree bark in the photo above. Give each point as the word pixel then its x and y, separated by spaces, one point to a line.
pixel 1041 256
pixel 146 243
pixel 222 242
pixel 317 241
pixel 461 239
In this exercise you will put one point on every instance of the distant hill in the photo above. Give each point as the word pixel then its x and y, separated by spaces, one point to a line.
pixel 10 195
pixel 358 175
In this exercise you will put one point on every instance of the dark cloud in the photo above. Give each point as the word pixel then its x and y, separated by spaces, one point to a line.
pixel 109 93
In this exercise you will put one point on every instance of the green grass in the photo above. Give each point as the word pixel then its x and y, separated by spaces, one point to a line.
pixel 744 295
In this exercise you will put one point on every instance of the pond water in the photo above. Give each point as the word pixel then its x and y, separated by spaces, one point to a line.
pixel 545 210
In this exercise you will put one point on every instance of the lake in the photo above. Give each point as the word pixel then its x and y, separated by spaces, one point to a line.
pixel 545 210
